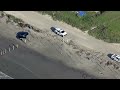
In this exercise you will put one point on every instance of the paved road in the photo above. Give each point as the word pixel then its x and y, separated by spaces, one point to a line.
pixel 4 76
pixel 23 63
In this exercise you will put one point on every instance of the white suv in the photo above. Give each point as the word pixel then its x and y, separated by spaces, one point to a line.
pixel 60 32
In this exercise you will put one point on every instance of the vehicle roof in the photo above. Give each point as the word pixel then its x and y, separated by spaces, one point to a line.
pixel 59 29
pixel 22 33
pixel 116 55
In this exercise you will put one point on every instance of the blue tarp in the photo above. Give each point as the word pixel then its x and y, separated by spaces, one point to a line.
pixel 81 13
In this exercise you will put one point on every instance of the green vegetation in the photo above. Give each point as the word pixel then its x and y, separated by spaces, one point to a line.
pixel 108 28
pixel 70 17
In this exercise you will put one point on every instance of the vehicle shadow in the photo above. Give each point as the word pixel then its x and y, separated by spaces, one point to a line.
pixel 109 55
pixel 17 35
pixel 52 29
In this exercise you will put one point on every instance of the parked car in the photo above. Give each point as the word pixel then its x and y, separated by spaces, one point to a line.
pixel 59 31
pixel 21 35
pixel 115 57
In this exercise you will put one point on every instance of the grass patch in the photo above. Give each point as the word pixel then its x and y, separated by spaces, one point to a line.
pixel 108 28
pixel 69 17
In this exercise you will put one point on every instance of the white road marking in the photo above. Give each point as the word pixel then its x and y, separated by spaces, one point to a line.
pixel 3 75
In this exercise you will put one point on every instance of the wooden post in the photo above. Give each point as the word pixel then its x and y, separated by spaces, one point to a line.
pixel 5 51
pixel 16 45
pixel 13 47
pixel 9 48
pixel 25 40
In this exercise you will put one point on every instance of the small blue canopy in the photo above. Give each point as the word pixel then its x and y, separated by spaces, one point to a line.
pixel 81 13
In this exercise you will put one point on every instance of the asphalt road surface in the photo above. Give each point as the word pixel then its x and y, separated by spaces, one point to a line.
pixel 23 63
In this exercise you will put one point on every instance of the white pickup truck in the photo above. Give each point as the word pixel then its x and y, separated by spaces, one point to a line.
pixel 59 31
pixel 115 57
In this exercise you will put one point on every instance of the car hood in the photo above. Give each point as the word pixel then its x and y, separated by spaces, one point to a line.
pixel 64 33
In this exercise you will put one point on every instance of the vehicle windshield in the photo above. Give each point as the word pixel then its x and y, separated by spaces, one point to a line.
pixel 62 31
pixel 114 55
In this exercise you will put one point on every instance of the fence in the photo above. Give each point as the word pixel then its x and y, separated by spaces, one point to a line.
pixel 9 49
